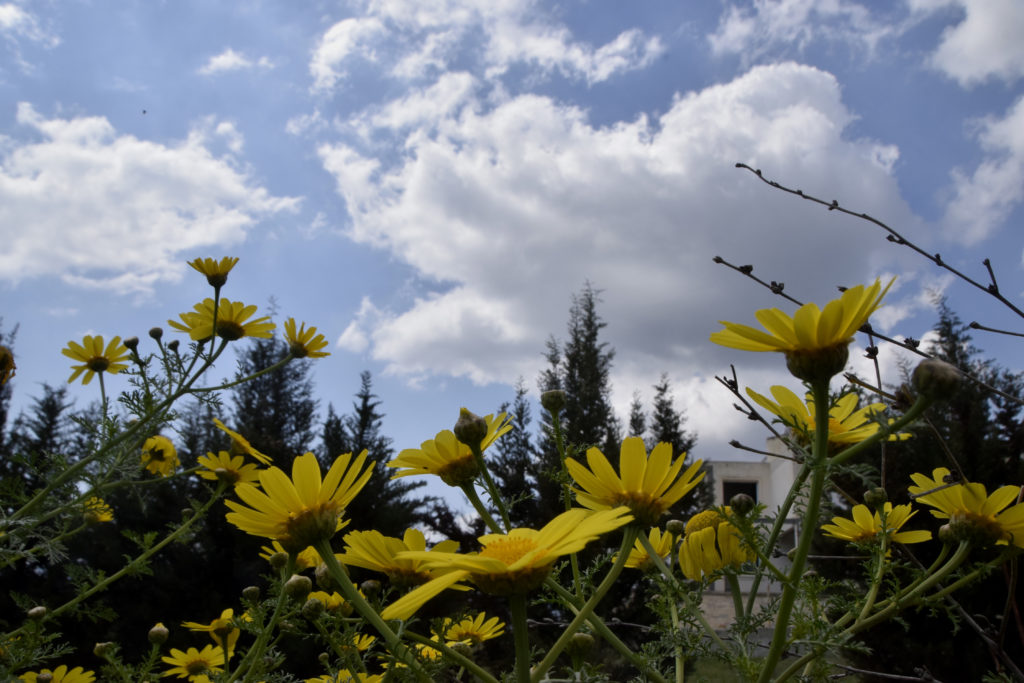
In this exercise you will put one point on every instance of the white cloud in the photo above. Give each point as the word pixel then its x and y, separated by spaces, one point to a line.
pixel 500 34
pixel 102 209
pixel 986 44
pixel 16 23
pixel 427 105
pixel 772 25
pixel 353 36
pixel 508 207
pixel 229 60
pixel 984 199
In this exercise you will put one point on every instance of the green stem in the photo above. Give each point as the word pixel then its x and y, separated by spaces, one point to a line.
pixel 737 595
pixel 914 412
pixel 367 612
pixel 628 538
pixel 260 646
pixel 521 636
pixel 818 465
pixel 463 661
pixel 492 489
pixel 693 609
pixel 601 629
pixel 480 508
pixel 876 583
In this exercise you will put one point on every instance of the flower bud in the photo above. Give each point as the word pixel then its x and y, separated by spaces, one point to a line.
pixel 936 379
pixel 741 504
pixel 312 609
pixel 156 333
pixel 158 634
pixel 44 677
pixel 580 645
pixel 298 587
pixel 946 534
pixel 470 429
pixel 324 580
pixel 370 588
pixel 101 650
pixel 676 527
pixel 37 613
pixel 173 345
pixel 324 658
pixel 278 561
pixel 553 401
pixel 132 344
pixel 463 648
pixel 875 498
pixel 251 593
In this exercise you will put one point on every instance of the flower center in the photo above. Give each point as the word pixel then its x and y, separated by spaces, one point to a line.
pixel 703 520
pixel 508 550
pixel 229 330
pixel 98 364
pixel 196 667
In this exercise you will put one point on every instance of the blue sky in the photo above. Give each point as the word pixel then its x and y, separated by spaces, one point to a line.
pixel 429 183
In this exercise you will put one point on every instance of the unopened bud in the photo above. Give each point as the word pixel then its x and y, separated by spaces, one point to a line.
pixel 324 579
pixel 875 498
pixel 278 561
pixel 44 677
pixel 580 645
pixel 470 429
pixel 132 344
pixel 553 401
pixel 936 379
pixel 156 333
pixel 741 504
pixel 101 650
pixel 187 513
pixel 676 527
pixel 173 345
pixel 946 534
pixel 370 588
pixel 324 658
pixel 37 613
pixel 298 587
pixel 463 648
pixel 251 593
pixel 312 609
pixel 158 634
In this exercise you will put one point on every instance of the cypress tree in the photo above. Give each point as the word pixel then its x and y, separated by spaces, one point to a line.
pixel 514 455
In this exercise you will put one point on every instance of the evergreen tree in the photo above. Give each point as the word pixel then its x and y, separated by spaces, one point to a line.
pixel 6 390
pixel 515 454
pixel 359 431
pixel 276 412
pixel 47 427
pixel 637 416
pixel 581 368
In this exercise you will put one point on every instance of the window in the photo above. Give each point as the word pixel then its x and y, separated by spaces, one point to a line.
pixel 731 488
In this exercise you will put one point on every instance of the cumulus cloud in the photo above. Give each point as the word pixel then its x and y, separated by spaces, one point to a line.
pixel 983 199
pixel 500 34
pixel 103 209
pixel 765 26
pixel 17 24
pixel 508 207
pixel 229 60
pixel 985 44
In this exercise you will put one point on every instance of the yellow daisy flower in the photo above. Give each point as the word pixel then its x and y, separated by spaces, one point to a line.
pixel 446 456
pixel 302 342
pixel 307 559
pixel 374 551
pixel 863 526
pixel 473 630
pixel 640 559
pixel 61 675
pixel 846 424
pixel 511 564
pixel 239 444
pixel 159 455
pixel 647 486
pixel 346 676
pixel 302 510
pixel 813 340
pixel 222 629
pixel 711 543
pixel 97 511
pixel 231 468
pixel 232 321
pixel 194 663
pixel 7 366
pixel 95 358
pixel 970 506
pixel 216 272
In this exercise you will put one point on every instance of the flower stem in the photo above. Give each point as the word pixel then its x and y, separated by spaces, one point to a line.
pixel 465 662
pixel 517 608
pixel 818 467
pixel 367 612
pixel 628 538
pixel 480 508
pixel 260 646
